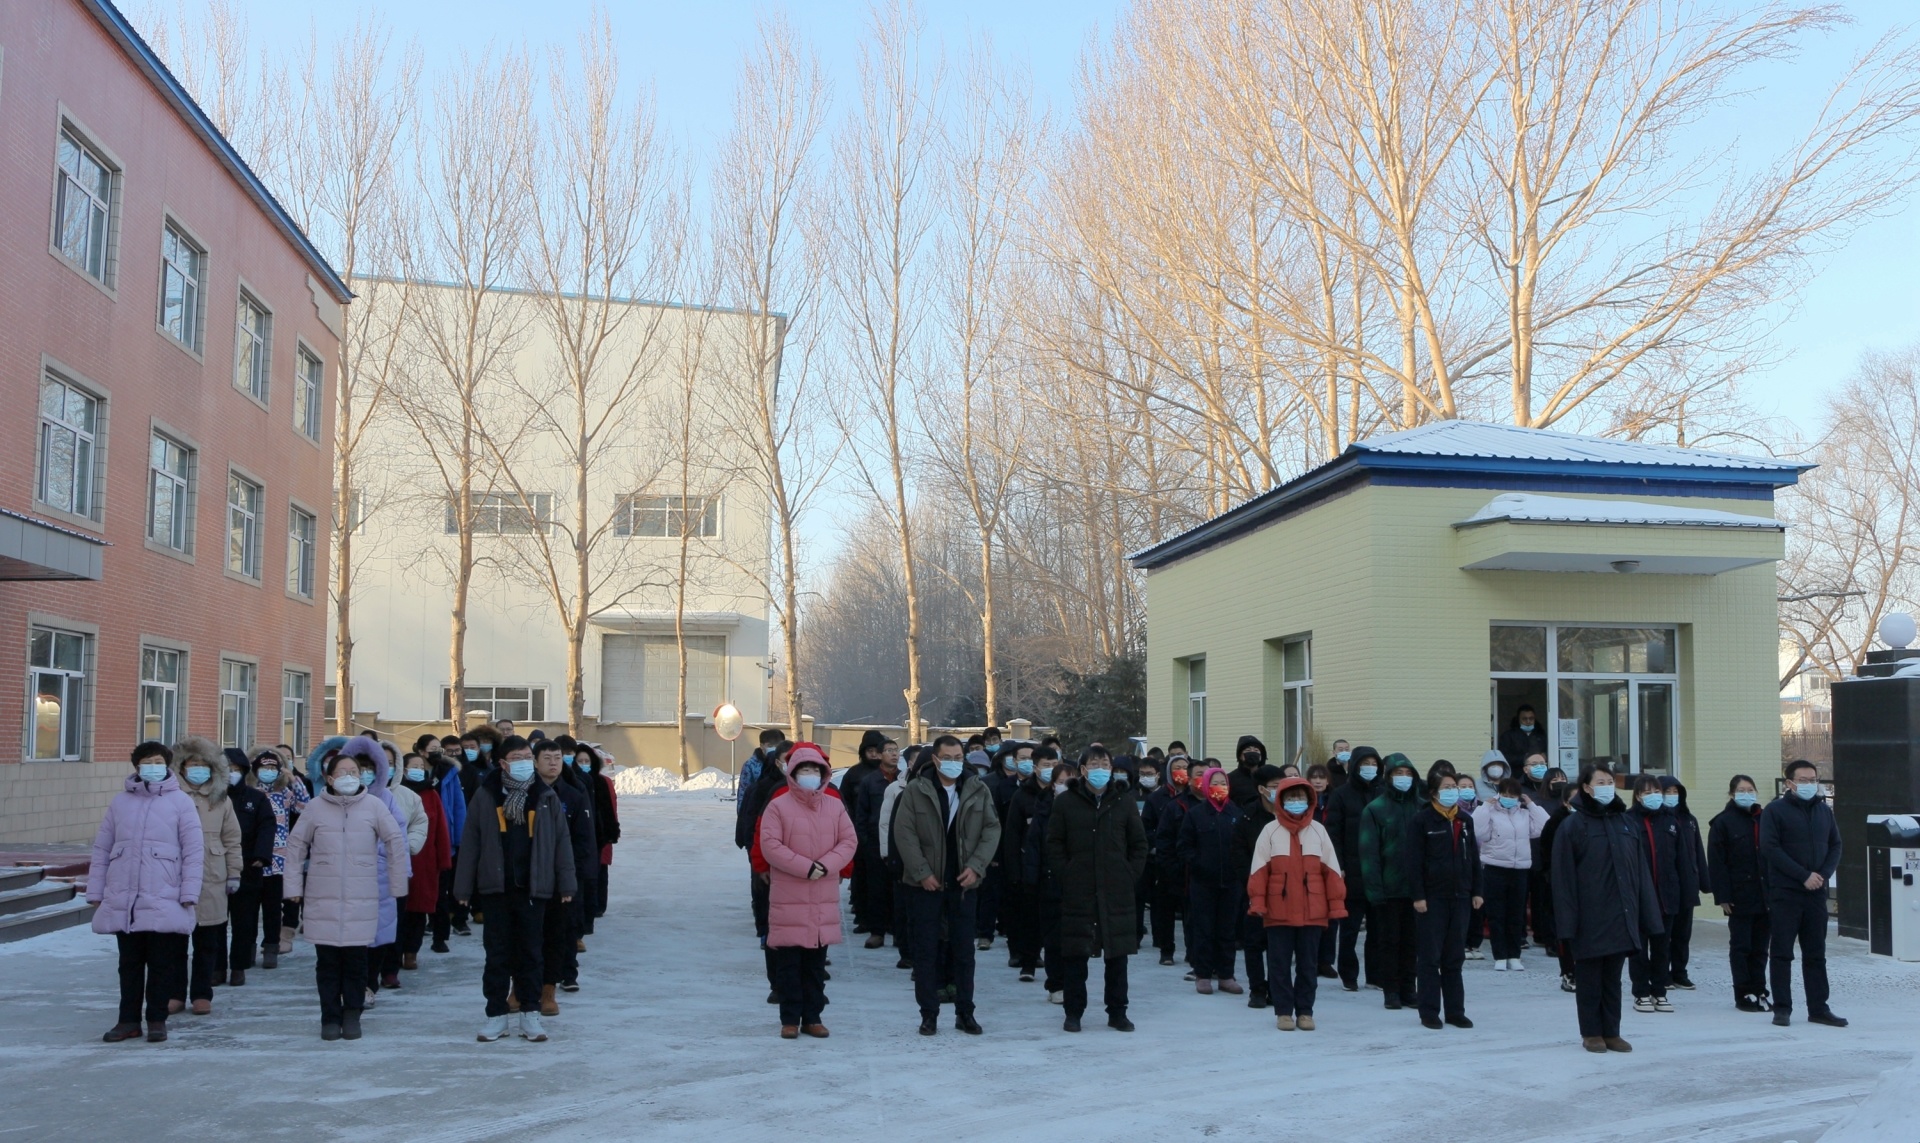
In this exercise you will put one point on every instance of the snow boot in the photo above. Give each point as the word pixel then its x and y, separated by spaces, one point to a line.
pixel 1283 1022
pixel 1304 1023
pixel 286 939
pixel 329 1032
pixel 548 1005
pixel 236 977
pixel 350 1024
pixel 410 961
pixel 121 1032
pixel 1616 1044
pixel 1594 1044
pixel 202 1007
pixel 157 1032
pixel 270 956
pixel 1203 985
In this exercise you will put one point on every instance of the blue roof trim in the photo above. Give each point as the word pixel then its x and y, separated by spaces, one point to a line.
pixel 1767 477
pixel 1593 484
pixel 142 54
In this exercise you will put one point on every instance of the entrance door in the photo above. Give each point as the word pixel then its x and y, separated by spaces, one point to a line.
pixel 1593 723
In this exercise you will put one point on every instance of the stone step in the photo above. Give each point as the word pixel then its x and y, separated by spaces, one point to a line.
pixel 35 896
pixel 47 919
pixel 20 877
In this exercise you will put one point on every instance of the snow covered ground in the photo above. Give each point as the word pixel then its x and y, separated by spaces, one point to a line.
pixel 670 1040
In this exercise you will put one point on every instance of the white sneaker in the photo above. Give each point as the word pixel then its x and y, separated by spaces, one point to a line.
pixel 494 1029
pixel 1662 1004
pixel 1499 966
pixel 1517 965
pixel 530 1028
pixel 1643 1004
pixel 369 1001
pixel 1476 954
pixel 1056 998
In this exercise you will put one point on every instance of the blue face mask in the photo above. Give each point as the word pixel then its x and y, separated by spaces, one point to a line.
pixel 1507 803
pixel 1369 773
pixel 1025 765
pixel 416 775
pixel 1603 794
pixel 1403 782
pixel 1447 797
pixel 1044 773
pixel 1343 756
pixel 269 777
pixel 1808 791
pixel 472 753
pixel 951 768
pixel 1746 799
pixel 198 774
pixel 1098 779
pixel 1294 808
pixel 584 762
pixel 567 758
pixel 153 771
pixel 521 770
pixel 1651 801
pixel 1537 773
pixel 1466 793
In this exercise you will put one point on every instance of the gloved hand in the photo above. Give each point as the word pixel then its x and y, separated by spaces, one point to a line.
pixel 816 872
pixel 233 886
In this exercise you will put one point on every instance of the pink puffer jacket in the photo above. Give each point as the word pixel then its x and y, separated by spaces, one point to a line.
pixel 147 860
pixel 333 860
pixel 799 828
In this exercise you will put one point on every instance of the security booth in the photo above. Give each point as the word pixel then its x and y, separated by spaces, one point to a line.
pixel 1414 593
pixel 1876 777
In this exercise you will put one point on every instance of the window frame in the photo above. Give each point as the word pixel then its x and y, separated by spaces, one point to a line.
pixel 311 403
pixel 629 512
pixel 190 482
pixel 77 732
pixel 1296 700
pixel 95 519
pixel 259 355
pixel 496 503
pixel 1553 676
pixel 301 734
pixel 183 654
pixel 88 141
pixel 308 559
pixel 247 704
pixel 259 518
pixel 170 224
pixel 536 701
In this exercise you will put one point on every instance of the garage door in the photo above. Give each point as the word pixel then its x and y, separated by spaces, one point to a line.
pixel 640 676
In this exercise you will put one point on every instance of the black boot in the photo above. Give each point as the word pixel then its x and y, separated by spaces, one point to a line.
pixel 350 1024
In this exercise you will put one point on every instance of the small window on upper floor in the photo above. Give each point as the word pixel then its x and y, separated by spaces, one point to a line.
pixel 70 469
pixel 253 348
pixel 182 267
pixel 668 517
pixel 83 210
pixel 308 373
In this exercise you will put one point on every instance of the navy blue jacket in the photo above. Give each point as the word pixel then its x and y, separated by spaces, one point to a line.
pixel 1205 844
pixel 1735 870
pixel 1798 838
pixel 1442 857
pixel 1668 850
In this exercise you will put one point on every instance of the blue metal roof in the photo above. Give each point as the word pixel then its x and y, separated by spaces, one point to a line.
pixel 1475 454
pixel 143 56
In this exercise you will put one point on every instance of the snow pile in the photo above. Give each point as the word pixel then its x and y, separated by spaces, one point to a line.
pixel 709 779
pixel 649 780
pixel 1887 1114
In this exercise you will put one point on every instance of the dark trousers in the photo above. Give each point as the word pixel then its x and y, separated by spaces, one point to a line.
pixel 1440 935
pixel 1801 916
pixel 986 915
pixel 857 889
pixel 413 932
pixel 1215 910
pixel 1253 938
pixel 1293 967
pixel 1390 925
pixel 272 909
pixel 597 894
pixel 955 910
pixel 382 960
pixel 1596 984
pixel 560 935
pixel 1747 938
pixel 243 913
pixel 442 923
pixel 1349 962
pixel 761 889
pixel 149 965
pixel 511 936
pixel 209 953
pixel 802 983
pixel 902 916
pixel 879 892
pixel 1166 900
pixel 596 875
pixel 1073 981
pixel 1540 907
pixel 1506 909
pixel 1648 967
pixel 1021 907
pixel 1680 945
pixel 1049 912
pixel 1476 926
pixel 339 971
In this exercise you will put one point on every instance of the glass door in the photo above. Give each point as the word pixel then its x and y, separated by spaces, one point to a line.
pixel 1595 723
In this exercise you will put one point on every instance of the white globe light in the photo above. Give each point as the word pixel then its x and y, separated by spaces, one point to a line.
pixel 1897 630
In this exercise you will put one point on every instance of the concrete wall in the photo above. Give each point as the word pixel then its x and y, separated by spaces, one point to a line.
pixel 50 802
pixel 1400 634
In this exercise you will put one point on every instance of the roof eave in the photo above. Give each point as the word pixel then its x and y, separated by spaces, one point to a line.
pixel 1779 476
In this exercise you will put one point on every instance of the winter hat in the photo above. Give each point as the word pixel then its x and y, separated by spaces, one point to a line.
pixel 1362 753
pixel 871 740
pixel 1398 761
pixel 1206 779
pixel 978 758
pixel 1247 740
pixel 806 753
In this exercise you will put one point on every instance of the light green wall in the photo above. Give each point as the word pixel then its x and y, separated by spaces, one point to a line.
pixel 1400 632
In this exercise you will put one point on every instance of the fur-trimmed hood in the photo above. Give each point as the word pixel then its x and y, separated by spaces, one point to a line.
pixel 197 749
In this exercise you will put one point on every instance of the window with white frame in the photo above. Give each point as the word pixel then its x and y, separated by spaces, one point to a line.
pixel 57 663
pixel 505 513
pixel 170 469
pixel 302 529
pixel 296 689
pixel 69 442
pixel 667 516
pixel 160 677
pixel 308 373
pixel 253 348
pixel 83 207
pixel 1197 707
pixel 243 526
pixel 182 264
pixel 521 704
pixel 1296 695
pixel 237 681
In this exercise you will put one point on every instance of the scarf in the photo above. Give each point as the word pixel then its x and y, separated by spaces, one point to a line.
pixel 516 806
pixel 1447 812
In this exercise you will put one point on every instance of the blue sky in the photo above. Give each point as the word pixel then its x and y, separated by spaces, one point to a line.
pixel 1862 296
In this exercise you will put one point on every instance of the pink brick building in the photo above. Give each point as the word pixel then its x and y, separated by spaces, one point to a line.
pixel 168 342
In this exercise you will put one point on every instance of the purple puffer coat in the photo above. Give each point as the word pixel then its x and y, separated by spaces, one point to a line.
pixel 147 860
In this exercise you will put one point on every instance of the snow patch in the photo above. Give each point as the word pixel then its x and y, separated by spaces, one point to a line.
pixel 649 780
pixel 1888 1114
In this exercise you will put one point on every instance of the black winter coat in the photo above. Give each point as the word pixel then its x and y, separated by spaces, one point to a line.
pixel 1603 899
pixel 1798 838
pixel 746 821
pixel 1669 854
pixel 1034 869
pixel 580 827
pixel 1242 790
pixel 1001 785
pixel 1543 921
pixel 1693 872
pixel 1735 872
pixel 864 808
pixel 1164 836
pixel 1013 836
pixel 1344 807
pixel 1097 851
pixel 850 783
pixel 1443 857
pixel 255 812
pixel 1206 843
pixel 1246 835
pixel 1516 744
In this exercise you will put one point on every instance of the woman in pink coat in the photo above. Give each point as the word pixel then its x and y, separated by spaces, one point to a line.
pixel 807 839
pixel 145 884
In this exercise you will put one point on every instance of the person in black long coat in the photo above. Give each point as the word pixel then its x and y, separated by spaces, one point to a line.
pixel 1443 867
pixel 1801 842
pixel 1344 807
pixel 1246 835
pixel 859 891
pixel 1097 850
pixel 1166 809
pixel 1038 871
pixel 1604 903
pixel 1216 893
pixel 255 814
pixel 1020 907
pixel 1669 860
pixel 1693 876
pixel 1736 875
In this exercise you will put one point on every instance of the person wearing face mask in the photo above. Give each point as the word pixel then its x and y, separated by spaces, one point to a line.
pixel 1345 806
pixel 1002 778
pixel 1097 849
pixel 255 815
pixel 911 761
pixel 1384 827
pixel 1545 933
pixel 1215 890
pixel 1249 754
pixel 1523 736
pixel 852 781
pixel 1604 903
pixel 1508 829
pixel 592 762
pixel 1800 841
pixel 1294 889
pixel 947 833
pixel 377 761
pixel 516 855
pixel 1246 835
pixel 332 870
pixel 203 773
pixel 427 864
pixel 1021 904
pixel 145 881
pixel 1034 860
pixel 1666 858
pixel 1736 875
pixel 273 778
pixel 864 796
pixel 806 840
pixel 443 768
pixel 1693 872
pixel 1165 810
pixel 1146 783
pixel 1339 766
pixel 565 921
pixel 1469 798
pixel 1444 871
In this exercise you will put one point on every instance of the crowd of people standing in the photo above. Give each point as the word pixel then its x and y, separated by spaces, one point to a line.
pixel 1364 872
pixel 211 861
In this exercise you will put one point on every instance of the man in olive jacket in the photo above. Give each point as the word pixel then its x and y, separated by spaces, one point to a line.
pixel 1097 849
pixel 946 831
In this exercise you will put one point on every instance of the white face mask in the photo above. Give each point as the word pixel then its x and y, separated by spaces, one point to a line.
pixel 346 784
pixel 808 781
pixel 1149 781
pixel 1059 787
